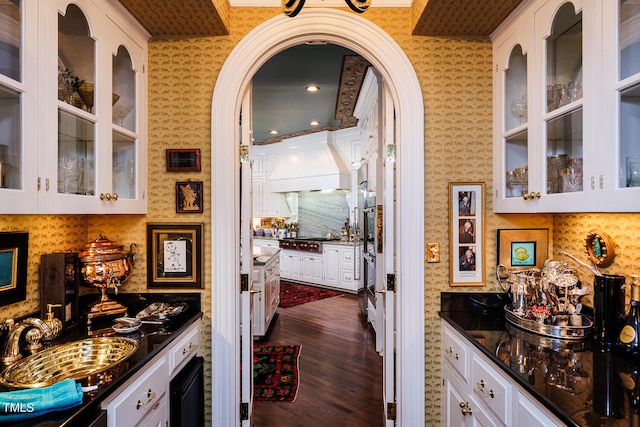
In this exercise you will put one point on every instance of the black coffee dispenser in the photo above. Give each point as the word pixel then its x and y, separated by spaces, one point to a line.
pixel 608 308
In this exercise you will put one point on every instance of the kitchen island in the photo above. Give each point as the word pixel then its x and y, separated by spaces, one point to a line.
pixel 155 347
pixel 266 285
pixel 503 375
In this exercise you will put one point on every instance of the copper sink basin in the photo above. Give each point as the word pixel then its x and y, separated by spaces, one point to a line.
pixel 77 360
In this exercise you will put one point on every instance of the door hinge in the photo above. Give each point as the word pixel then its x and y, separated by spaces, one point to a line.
pixel 244 411
pixel 244 282
pixel 391 410
pixel 391 282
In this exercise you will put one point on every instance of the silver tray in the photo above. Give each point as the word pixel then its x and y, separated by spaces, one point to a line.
pixel 554 331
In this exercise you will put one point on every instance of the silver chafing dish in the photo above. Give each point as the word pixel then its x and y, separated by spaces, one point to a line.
pixel 105 264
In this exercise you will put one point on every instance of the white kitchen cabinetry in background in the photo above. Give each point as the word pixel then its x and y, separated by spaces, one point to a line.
pixel 331 254
pixel 311 268
pixel 267 203
pixel 266 284
pixel 333 268
pixel 566 106
pixel 290 265
pixel 340 264
pixel 78 153
pixel 475 393
pixel 265 245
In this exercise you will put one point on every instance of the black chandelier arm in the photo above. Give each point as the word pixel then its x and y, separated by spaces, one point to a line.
pixel 292 7
pixel 358 6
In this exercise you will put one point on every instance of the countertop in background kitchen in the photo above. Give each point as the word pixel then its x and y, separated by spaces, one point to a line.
pixel 318 239
pixel 152 339
pixel 262 257
pixel 578 381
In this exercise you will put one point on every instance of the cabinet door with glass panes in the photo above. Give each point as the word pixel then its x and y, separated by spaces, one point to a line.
pixel 19 103
pixel 513 149
pixel 544 144
pixel 620 179
pixel 567 96
pixel 94 74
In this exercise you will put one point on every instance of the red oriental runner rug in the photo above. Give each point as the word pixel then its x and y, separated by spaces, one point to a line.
pixel 275 372
pixel 292 294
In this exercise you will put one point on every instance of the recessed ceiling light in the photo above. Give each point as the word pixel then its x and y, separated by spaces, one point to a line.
pixel 312 88
pixel 314 123
pixel 273 132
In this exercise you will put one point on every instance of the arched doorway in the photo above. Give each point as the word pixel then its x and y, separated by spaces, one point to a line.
pixel 358 34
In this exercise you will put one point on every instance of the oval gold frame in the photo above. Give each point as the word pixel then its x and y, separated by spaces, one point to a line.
pixel 607 253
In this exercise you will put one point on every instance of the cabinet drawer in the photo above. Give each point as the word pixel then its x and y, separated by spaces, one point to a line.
pixel 347 257
pixel 346 276
pixel 133 404
pixel 158 415
pixel 455 352
pixel 185 349
pixel 491 388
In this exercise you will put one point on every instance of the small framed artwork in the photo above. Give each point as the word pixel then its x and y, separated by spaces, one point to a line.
pixel 14 248
pixel 522 249
pixel 175 255
pixel 189 197
pixel 466 216
pixel 183 159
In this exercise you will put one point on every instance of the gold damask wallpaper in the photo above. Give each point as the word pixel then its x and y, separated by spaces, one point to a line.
pixel 455 76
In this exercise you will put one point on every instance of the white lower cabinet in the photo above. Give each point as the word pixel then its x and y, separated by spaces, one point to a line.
pixel 340 264
pixel 158 415
pixel 131 405
pixel 475 392
pixel 144 399
pixel 331 254
pixel 311 268
pixel 290 267
pixel 334 267
pixel 462 409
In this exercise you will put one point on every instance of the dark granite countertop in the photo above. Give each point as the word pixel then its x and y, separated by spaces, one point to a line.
pixel 580 382
pixel 152 339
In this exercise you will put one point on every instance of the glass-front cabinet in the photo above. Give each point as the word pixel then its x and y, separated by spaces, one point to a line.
pixel 540 134
pixel 18 99
pixel 621 175
pixel 88 125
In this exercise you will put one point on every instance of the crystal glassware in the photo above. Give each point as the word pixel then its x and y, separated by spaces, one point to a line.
pixel 120 112
pixel 519 108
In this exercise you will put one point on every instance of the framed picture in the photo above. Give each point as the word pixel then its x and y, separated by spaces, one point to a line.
pixel 14 248
pixel 189 197
pixel 183 159
pixel 466 216
pixel 175 255
pixel 522 249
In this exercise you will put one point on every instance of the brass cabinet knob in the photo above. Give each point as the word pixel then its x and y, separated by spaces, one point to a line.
pixel 465 409
pixel 531 196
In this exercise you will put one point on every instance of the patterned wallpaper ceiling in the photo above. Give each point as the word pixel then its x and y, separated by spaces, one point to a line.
pixel 206 17
pixel 172 18
pixel 463 17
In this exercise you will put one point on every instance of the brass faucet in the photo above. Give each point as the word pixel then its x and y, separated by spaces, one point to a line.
pixel 48 330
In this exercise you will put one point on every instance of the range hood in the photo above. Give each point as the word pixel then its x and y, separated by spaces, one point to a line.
pixel 309 163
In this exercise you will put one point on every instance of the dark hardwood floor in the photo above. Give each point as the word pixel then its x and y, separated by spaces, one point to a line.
pixel 340 371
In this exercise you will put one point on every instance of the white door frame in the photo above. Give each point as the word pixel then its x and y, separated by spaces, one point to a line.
pixel 273 36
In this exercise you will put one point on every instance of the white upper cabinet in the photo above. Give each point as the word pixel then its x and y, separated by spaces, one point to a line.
pixel 564 108
pixel 88 147
pixel 18 99
pixel 621 118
